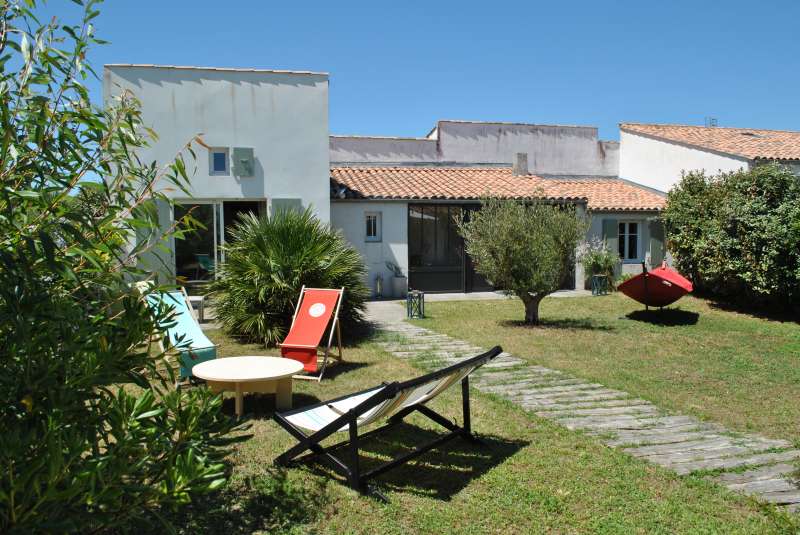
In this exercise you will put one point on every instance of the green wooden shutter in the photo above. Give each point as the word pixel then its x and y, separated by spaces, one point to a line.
pixel 657 250
pixel 611 234
pixel 286 205
pixel 243 162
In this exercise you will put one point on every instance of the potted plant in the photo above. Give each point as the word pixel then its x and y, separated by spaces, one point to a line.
pixel 399 281
pixel 600 261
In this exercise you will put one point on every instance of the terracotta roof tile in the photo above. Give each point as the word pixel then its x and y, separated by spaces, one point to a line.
pixel 472 183
pixel 747 143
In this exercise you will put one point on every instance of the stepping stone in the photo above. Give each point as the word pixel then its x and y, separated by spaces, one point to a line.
pixel 669 459
pixel 504 378
pixel 533 390
pixel 424 354
pixel 429 346
pixel 624 422
pixel 765 486
pixel 550 405
pixel 632 410
pixel 503 363
pixel 766 472
pixel 781 498
pixel 734 462
pixel 703 444
pixel 583 395
pixel 525 385
pixel 655 438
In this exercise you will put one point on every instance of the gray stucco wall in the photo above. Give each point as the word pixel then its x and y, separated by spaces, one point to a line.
pixel 553 150
pixel 556 150
pixel 357 149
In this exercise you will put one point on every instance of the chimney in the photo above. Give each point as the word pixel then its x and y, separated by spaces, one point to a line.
pixel 520 167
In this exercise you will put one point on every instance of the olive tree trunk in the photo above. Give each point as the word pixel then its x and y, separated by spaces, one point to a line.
pixel 531 307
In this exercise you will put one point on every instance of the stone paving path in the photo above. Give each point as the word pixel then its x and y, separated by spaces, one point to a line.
pixel 745 463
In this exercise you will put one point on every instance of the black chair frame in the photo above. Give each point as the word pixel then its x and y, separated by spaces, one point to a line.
pixel 349 467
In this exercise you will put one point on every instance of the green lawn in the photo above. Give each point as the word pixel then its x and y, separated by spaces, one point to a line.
pixel 726 367
pixel 533 477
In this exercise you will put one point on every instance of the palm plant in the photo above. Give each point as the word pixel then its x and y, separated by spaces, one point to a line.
pixel 268 260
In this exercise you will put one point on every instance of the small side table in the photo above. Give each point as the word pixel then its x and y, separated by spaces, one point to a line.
pixel 270 375
pixel 200 301
pixel 415 304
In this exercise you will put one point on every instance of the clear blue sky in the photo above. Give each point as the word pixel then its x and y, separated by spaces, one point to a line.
pixel 397 67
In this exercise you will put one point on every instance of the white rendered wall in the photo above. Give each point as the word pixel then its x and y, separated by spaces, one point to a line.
pixel 596 231
pixel 282 116
pixel 349 217
pixel 658 164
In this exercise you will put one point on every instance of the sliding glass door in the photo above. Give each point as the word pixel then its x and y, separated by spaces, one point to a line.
pixel 198 252
pixel 435 250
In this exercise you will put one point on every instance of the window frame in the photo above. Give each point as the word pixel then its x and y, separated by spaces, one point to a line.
pixel 378 227
pixel 623 239
pixel 219 150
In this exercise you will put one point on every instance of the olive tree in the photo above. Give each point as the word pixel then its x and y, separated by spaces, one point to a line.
pixel 525 248
pixel 92 435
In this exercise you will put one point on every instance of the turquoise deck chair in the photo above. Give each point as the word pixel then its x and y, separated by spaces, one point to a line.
pixel 186 335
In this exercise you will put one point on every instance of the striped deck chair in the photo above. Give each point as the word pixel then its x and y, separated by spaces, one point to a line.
pixel 317 310
pixel 184 332
pixel 390 402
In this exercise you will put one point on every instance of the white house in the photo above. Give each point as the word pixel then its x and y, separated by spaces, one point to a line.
pixel 268 133
pixel 395 198
pixel 655 155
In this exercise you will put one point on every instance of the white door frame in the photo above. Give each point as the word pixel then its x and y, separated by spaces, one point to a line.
pixel 217 230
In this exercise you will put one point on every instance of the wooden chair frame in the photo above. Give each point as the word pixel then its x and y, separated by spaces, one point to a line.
pixel 349 467
pixel 159 340
pixel 335 326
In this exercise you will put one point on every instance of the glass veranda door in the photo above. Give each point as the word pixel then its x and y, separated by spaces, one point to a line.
pixel 197 252
pixel 200 251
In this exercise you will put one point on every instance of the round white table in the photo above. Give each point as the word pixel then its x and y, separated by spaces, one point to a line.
pixel 267 375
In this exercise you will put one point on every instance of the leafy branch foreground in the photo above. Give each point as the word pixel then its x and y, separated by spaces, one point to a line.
pixel 93 435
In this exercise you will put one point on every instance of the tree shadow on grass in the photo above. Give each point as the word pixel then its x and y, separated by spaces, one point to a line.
pixel 440 473
pixel 778 313
pixel 668 317
pixel 566 323
pixel 269 503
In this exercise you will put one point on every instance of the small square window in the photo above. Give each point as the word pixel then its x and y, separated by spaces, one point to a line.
pixel 373 226
pixel 218 162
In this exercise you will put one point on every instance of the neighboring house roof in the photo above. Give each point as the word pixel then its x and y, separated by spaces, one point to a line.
pixel 474 183
pixel 747 143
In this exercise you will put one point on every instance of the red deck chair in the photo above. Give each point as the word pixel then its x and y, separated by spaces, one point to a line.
pixel 316 309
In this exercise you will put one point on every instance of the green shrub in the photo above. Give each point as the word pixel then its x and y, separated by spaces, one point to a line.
pixel 598 259
pixel 92 435
pixel 737 235
pixel 266 263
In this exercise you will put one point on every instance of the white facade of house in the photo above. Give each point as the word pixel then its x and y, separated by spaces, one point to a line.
pixel 658 163
pixel 282 116
pixel 391 244
pixel 267 129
